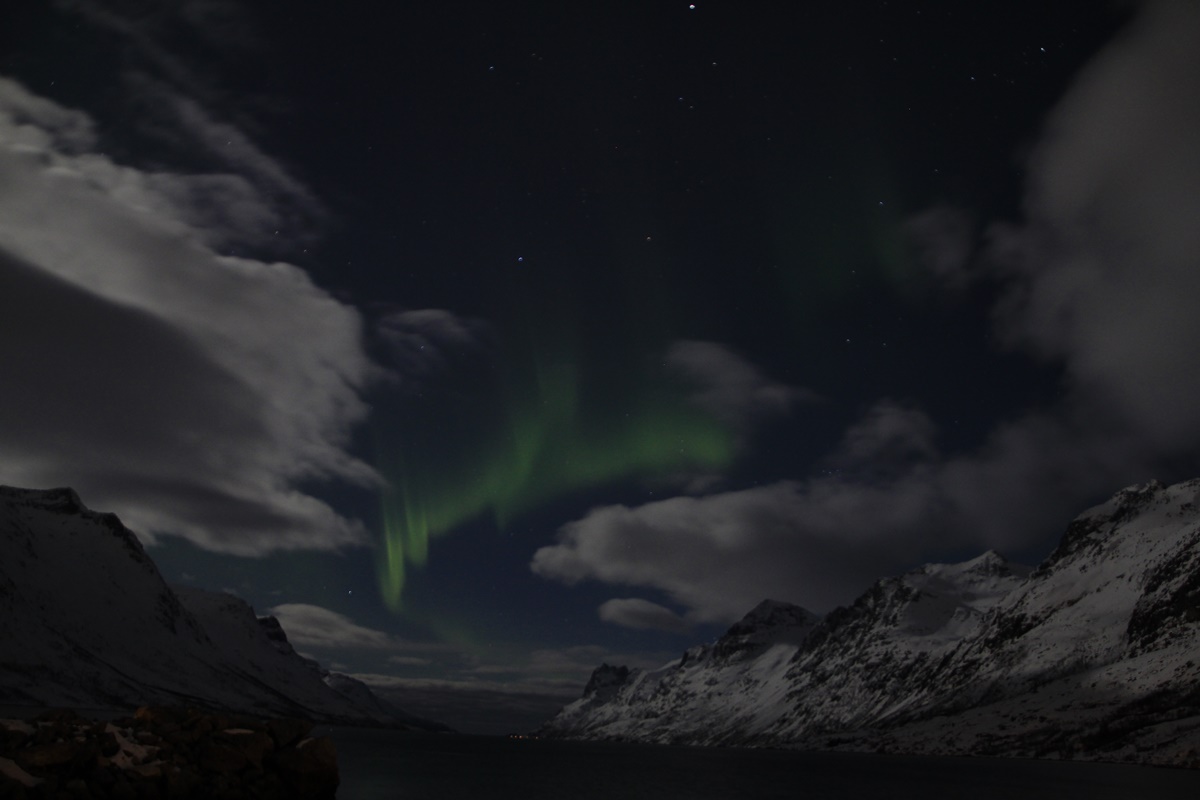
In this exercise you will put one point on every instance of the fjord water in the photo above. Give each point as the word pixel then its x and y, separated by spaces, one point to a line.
pixel 379 764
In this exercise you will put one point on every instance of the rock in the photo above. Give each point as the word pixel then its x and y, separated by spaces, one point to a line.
pixel 310 769
pixel 10 771
pixel 52 754
pixel 165 753
pixel 250 743
pixel 288 731
pixel 221 758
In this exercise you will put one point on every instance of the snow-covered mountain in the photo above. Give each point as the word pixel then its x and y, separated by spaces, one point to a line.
pixel 730 690
pixel 1096 652
pixel 86 620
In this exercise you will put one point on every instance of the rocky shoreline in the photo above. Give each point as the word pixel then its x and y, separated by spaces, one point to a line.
pixel 164 753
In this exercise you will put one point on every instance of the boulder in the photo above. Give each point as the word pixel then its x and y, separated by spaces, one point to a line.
pixel 165 753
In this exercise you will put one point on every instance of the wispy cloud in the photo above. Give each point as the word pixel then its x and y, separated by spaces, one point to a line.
pixel 424 344
pixel 308 625
pixel 313 626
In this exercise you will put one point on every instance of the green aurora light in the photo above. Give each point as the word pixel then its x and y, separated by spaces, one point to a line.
pixel 546 443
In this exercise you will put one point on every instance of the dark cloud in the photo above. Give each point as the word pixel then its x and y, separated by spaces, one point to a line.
pixel 889 437
pixel 729 387
pixel 945 239
pixel 187 391
pixel 424 343
pixel 175 60
pixel 1104 274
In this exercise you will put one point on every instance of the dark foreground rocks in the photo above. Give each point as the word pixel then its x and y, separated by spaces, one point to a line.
pixel 164 753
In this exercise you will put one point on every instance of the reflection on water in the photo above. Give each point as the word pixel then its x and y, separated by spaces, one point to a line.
pixel 389 764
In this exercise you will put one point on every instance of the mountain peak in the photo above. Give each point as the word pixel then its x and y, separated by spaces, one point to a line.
pixel 605 681
pixel 770 615
pixel 122 637
pixel 62 499
pixel 770 622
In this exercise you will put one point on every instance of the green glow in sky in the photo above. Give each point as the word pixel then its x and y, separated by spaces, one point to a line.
pixel 546 442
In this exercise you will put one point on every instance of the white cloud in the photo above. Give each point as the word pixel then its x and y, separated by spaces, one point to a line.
pixel 189 392
pixel 639 614
pixel 718 556
pixel 313 626
pixel 308 625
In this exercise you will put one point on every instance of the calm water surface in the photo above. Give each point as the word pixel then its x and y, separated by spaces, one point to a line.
pixel 389 764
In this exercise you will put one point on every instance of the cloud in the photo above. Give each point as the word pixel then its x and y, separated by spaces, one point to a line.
pixel 174 57
pixel 410 661
pixel 633 612
pixel 821 542
pixel 314 626
pixel 730 388
pixel 1104 275
pixel 1100 278
pixel 425 343
pixel 249 198
pixel 183 40
pixel 889 437
pixel 308 625
pixel 718 556
pixel 945 240
pixel 191 393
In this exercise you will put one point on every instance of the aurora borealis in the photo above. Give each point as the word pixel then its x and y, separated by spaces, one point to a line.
pixel 525 337
pixel 546 442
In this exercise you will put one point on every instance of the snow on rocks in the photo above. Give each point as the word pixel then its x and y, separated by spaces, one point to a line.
pixel 1096 653
pixel 122 637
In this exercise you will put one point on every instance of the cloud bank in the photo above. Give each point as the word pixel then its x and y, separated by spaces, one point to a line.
pixel 1100 278
pixel 729 387
pixel 190 392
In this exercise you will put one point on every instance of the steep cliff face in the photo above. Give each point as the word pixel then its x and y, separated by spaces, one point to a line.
pixel 1097 652
pixel 86 620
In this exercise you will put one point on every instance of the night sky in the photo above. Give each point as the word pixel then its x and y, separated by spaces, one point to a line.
pixel 483 343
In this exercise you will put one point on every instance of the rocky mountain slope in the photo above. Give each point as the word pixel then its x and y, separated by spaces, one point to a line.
pixel 86 620
pixel 1096 652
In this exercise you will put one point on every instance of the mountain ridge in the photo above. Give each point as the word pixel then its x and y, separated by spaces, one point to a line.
pixel 1093 653
pixel 122 637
